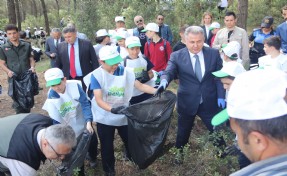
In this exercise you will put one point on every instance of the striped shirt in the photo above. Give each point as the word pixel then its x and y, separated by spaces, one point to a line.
pixel 275 166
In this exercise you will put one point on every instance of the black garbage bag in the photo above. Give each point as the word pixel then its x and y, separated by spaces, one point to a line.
pixel 148 124
pixel 76 158
pixel 23 88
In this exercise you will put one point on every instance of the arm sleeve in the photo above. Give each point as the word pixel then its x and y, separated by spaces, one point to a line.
pixel 85 104
pixel 47 48
pixel 149 64
pixel 168 50
pixel 94 83
pixel 171 68
pixel 146 52
pixel 93 56
pixel 170 37
pixel 216 43
pixel 251 37
pixel 245 51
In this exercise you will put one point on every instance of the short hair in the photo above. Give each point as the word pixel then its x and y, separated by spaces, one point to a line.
pixel 230 14
pixel 183 28
pixel 194 30
pixel 22 35
pixel 100 39
pixel 159 15
pixel 70 24
pixel 204 14
pixel 69 29
pixel 274 41
pixel 284 8
pixel 10 27
pixel 56 30
pixel 61 134
pixel 274 128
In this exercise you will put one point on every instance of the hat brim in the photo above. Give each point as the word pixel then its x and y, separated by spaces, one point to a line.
pixel 114 60
pixel 264 25
pixel 144 30
pixel 118 38
pixel 220 118
pixel 211 28
pixel 134 45
pixel 53 82
pixel 220 74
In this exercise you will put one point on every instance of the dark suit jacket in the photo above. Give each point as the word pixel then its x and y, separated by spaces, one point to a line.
pixel 207 40
pixel 50 46
pixel 190 89
pixel 88 58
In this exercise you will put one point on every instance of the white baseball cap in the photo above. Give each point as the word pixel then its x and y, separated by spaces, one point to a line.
pixel 101 33
pixel 41 27
pixel 132 42
pixel 214 25
pixel 53 76
pixel 121 34
pixel 119 18
pixel 256 95
pixel 232 50
pixel 232 68
pixel 110 55
pixel 151 27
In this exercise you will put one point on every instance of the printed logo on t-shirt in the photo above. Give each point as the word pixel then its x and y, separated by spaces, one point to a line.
pixel 142 36
pixel 138 72
pixel 161 48
pixel 116 91
pixel 66 108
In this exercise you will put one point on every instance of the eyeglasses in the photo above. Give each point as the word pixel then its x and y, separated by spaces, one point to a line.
pixel 58 155
pixel 160 19
pixel 139 21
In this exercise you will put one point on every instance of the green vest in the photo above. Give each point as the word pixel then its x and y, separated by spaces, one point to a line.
pixel 16 58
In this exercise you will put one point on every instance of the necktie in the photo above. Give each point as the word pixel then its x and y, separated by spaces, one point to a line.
pixel 197 68
pixel 72 62
pixel 228 35
pixel 57 42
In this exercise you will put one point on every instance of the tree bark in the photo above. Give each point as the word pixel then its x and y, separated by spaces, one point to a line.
pixel 11 12
pixel 45 16
pixel 35 8
pixel 242 13
pixel 75 6
pixel 58 11
pixel 18 14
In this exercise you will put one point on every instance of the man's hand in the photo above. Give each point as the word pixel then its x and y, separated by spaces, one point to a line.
pixel 90 127
pixel 32 69
pixel 52 55
pixel 161 87
pixel 221 103
pixel 118 110
pixel 10 74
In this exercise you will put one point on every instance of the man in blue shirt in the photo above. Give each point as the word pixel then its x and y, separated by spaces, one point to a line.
pixel 164 29
pixel 282 30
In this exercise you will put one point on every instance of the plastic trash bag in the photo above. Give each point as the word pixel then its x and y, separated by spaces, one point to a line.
pixel 23 88
pixel 76 158
pixel 148 124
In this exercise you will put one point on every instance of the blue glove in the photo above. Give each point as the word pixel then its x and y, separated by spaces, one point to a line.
pixel 221 103
pixel 161 87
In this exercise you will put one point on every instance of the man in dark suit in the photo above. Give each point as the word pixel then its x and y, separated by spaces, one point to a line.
pixel 76 57
pixel 52 44
pixel 199 93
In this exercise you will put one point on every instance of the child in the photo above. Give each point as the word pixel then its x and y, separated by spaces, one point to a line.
pixel 180 44
pixel 158 50
pixel 102 39
pixel 141 66
pixel 214 27
pixel 113 87
pixel 121 36
pixel 67 104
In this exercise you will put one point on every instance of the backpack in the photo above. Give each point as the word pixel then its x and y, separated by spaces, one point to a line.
pixel 164 46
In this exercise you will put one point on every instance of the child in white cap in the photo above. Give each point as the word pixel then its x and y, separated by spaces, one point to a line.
pixel 214 27
pixel 231 52
pixel 141 66
pixel 67 104
pixel 112 85
pixel 102 39
pixel 120 37
pixel 157 49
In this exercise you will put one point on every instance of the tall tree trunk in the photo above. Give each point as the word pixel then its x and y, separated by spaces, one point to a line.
pixel 23 12
pixel 35 8
pixel 75 6
pixel 19 20
pixel 243 12
pixel 69 6
pixel 11 12
pixel 45 16
pixel 58 11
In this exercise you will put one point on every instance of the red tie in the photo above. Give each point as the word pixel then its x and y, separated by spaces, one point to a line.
pixel 72 62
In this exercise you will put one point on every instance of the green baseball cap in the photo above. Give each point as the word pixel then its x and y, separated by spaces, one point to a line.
pixel 220 118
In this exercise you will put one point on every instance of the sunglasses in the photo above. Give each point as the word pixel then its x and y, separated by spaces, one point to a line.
pixel 160 18
pixel 139 21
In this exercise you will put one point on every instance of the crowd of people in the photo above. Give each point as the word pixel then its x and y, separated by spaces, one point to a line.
pixel 222 74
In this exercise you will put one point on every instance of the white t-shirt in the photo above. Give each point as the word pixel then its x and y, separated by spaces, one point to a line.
pixel 279 62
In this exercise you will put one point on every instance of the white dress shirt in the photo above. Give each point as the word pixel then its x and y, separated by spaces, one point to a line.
pixel 201 60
